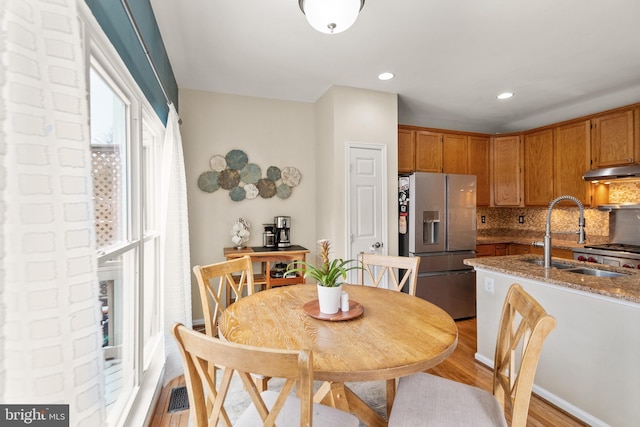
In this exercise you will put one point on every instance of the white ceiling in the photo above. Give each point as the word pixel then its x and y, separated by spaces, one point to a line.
pixel 562 58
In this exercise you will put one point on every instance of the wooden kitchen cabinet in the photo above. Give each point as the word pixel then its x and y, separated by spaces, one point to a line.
pixel 485 250
pixel 478 165
pixel 538 168
pixel 428 151
pixel 454 153
pixel 614 139
pixel 501 249
pixel 521 249
pixel 498 249
pixel 506 176
pixel 572 158
pixel 406 151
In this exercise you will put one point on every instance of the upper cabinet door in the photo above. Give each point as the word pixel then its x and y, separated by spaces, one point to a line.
pixel 613 140
pixel 454 153
pixel 506 171
pixel 478 164
pixel 406 150
pixel 428 151
pixel 538 168
pixel 572 156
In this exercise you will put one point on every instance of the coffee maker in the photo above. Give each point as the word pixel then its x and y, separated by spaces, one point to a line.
pixel 282 231
pixel 269 236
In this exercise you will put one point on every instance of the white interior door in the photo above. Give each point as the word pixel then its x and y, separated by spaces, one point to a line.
pixel 366 200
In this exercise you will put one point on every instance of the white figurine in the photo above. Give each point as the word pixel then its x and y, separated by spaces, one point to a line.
pixel 240 233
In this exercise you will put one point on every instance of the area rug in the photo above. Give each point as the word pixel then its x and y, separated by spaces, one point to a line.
pixel 373 393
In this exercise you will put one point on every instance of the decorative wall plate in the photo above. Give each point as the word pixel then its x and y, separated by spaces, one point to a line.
pixel 244 180
pixel 291 176
pixel 251 190
pixel 283 191
pixel 236 159
pixel 273 173
pixel 218 163
pixel 208 181
pixel 266 188
pixel 237 194
pixel 251 173
pixel 229 178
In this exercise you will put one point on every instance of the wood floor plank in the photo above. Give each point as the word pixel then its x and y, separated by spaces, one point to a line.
pixel 460 366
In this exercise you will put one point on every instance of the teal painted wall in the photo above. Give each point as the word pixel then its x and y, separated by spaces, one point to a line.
pixel 112 16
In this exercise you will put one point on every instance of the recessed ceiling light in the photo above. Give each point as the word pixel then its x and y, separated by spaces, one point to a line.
pixel 385 76
pixel 505 95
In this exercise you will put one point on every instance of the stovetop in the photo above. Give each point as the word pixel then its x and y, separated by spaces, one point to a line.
pixel 616 247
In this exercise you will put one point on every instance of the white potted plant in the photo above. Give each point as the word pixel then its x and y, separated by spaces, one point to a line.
pixel 330 276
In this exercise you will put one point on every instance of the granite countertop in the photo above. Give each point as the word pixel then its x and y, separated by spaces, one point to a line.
pixel 625 287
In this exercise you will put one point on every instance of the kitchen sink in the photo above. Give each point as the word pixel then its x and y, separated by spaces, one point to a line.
pixel 555 264
pixel 595 272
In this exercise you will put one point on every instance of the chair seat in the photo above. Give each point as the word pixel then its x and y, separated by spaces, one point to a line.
pixel 428 400
pixel 323 416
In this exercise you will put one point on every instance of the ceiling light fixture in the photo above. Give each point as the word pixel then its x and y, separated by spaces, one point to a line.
pixel 505 95
pixel 386 76
pixel 331 16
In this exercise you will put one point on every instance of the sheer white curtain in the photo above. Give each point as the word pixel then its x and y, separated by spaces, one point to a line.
pixel 50 344
pixel 175 246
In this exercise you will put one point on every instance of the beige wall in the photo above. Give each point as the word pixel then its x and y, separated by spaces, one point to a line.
pixel 349 115
pixel 271 133
pixel 310 137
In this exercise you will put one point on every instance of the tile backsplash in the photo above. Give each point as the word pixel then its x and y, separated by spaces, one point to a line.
pixel 624 192
pixel 564 220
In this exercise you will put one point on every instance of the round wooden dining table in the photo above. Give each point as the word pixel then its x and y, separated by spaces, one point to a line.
pixel 396 335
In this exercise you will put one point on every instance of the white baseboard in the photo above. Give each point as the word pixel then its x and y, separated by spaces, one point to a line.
pixel 555 400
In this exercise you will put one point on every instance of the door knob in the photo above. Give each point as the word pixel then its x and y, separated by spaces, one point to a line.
pixel 376 245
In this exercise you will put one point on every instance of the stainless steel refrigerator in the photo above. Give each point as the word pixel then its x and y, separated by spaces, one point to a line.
pixel 438 223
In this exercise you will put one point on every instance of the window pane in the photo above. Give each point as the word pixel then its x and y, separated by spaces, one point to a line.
pixel 151 163
pixel 118 274
pixel 116 296
pixel 109 155
pixel 151 300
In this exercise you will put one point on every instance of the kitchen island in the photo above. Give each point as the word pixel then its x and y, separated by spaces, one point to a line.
pixel 589 365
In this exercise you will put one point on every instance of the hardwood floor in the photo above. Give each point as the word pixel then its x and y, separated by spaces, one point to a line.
pixel 460 366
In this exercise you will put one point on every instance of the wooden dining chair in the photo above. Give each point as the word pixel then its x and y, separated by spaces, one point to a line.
pixel 425 399
pixel 399 270
pixel 267 408
pixel 222 280
pixel 376 267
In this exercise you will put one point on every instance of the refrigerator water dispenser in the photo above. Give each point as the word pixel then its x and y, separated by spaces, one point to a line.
pixel 430 227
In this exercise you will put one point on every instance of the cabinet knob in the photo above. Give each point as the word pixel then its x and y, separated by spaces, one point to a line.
pixel 629 160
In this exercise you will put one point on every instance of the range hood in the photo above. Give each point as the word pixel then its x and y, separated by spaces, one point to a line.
pixel 619 172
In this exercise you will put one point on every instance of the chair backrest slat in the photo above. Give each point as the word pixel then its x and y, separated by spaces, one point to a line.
pixel 198 350
pixel 524 325
pixel 215 281
pixel 376 267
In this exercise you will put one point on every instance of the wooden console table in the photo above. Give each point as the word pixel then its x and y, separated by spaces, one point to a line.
pixel 268 257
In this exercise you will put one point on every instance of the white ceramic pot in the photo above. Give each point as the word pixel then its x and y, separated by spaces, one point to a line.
pixel 329 299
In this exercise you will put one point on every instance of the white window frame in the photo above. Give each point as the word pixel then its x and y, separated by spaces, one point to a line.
pixel 137 408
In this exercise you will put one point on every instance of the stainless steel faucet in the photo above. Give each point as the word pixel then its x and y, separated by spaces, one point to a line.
pixel 547 236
